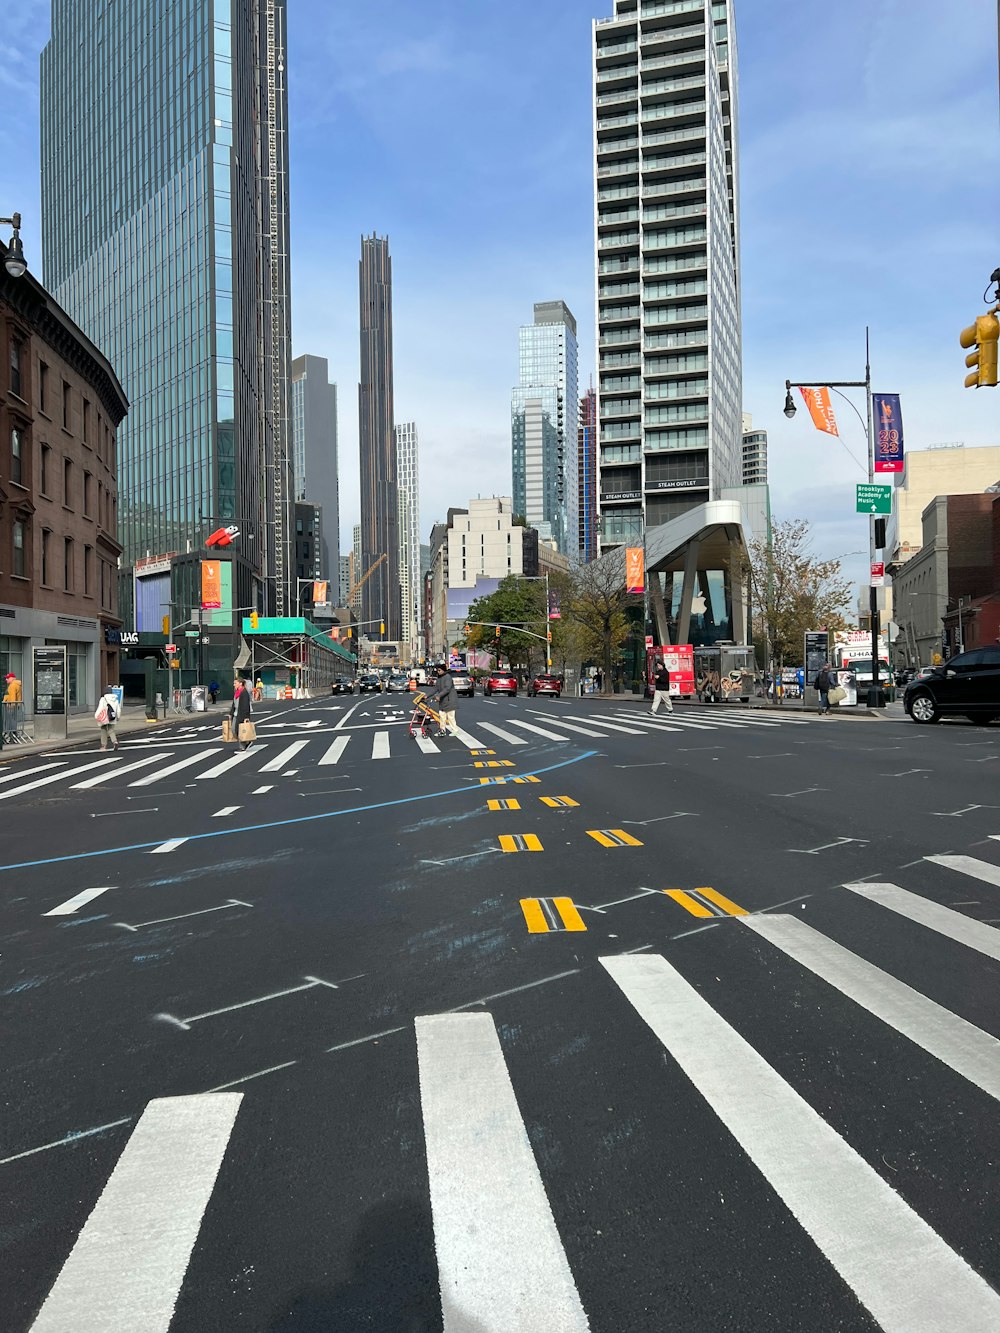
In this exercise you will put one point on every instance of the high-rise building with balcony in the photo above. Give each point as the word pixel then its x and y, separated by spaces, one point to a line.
pixel 314 441
pixel 380 601
pixel 754 453
pixel 544 411
pixel 667 261
pixel 165 236
pixel 587 475
pixel 408 484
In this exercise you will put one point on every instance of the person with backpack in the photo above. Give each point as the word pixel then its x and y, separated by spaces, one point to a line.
pixel 106 717
pixel 823 684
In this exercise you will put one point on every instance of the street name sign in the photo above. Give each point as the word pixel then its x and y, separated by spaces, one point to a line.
pixel 874 499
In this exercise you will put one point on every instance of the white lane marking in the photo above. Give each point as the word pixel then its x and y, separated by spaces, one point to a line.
pixel 425 744
pixel 67 1139
pixel 162 773
pixel 958 1044
pixel 897 1266
pixel 504 735
pixel 71 904
pixel 53 777
pixel 614 726
pixel 469 741
pixel 942 920
pixel 701 720
pixel 286 756
pixel 126 1268
pixel 95 781
pixel 651 726
pixel 259 791
pixel 337 726
pixel 969 865
pixel 380 745
pixel 575 726
pixel 336 750
pixel 308 983
pixel 500 1260
pixel 539 731
pixel 162 920
pixel 226 810
pixel 38 768
pixel 218 769
pixel 168 846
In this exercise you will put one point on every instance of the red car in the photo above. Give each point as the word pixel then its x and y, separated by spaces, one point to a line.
pixel 546 685
pixel 500 682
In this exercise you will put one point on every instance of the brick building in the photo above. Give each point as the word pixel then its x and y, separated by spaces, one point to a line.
pixel 60 408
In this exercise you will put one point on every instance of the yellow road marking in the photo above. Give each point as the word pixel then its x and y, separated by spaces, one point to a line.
pixel 520 842
pixel 571 918
pixel 527 779
pixel 557 801
pixel 693 906
pixel 534 917
pixel 613 837
pixel 482 752
pixel 493 782
pixel 714 897
pixel 503 805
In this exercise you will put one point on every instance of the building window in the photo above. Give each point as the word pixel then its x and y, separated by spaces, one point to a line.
pixel 88 566
pixel 68 563
pixel 88 494
pixel 67 483
pixel 46 463
pixel 19 566
pixel 86 421
pixel 16 456
pixel 46 554
pixel 11 656
pixel 15 367
pixel 43 384
pixel 65 406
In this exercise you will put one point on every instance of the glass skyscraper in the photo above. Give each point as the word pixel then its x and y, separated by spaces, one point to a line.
pixel 165 236
pixel 314 443
pixel 408 485
pixel 667 260
pixel 544 409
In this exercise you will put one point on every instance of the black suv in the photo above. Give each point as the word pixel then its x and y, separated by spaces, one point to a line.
pixel 342 685
pixel 968 684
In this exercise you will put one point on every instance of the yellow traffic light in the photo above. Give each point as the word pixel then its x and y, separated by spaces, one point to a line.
pixel 254 620
pixel 983 336
pixel 550 636
pixel 166 626
pixel 466 631
pixel 350 633
pixel 496 632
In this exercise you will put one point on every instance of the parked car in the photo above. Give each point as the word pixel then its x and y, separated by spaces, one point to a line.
pixel 397 684
pixel 968 684
pixel 464 684
pixel 370 682
pixel 342 685
pixel 546 684
pixel 500 682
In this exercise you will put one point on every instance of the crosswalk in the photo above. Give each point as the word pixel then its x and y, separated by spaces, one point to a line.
pixel 277 756
pixel 503 1261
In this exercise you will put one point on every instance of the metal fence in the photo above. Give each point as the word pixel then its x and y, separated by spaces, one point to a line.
pixel 14 724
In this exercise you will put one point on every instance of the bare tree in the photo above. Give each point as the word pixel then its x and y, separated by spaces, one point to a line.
pixel 597 604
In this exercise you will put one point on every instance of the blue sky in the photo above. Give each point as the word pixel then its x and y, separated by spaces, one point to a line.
pixel 869 155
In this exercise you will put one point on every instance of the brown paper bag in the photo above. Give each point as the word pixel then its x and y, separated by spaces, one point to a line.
pixel 227 729
pixel 248 732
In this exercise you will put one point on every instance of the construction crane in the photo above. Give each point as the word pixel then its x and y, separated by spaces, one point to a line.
pixel 365 577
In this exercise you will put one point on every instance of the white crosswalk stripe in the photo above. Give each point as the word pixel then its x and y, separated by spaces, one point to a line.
pixel 574 726
pixel 971 866
pixel 507 736
pixel 99 778
pixel 218 769
pixel 170 769
pixel 53 777
pixel 963 929
pixel 647 725
pixel 332 755
pixel 425 745
pixel 380 745
pixel 283 759
pixel 538 731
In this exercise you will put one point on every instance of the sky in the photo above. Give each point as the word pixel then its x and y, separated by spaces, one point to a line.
pixel 462 129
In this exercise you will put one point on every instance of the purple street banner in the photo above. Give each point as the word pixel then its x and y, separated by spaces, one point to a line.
pixel 888 432
pixel 555 604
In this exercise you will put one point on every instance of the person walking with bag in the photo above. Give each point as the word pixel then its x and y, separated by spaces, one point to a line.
pixel 661 690
pixel 447 698
pixel 823 684
pixel 239 711
pixel 106 716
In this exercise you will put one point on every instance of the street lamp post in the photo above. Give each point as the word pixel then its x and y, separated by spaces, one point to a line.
pixel 876 698
pixel 14 261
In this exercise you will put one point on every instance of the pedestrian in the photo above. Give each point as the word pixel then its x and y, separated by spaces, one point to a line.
pixel 13 693
pixel 661 689
pixel 823 684
pixel 447 700
pixel 106 717
pixel 239 710
pixel 213 691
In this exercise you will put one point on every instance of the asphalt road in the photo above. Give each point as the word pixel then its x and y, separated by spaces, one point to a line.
pixel 292 1044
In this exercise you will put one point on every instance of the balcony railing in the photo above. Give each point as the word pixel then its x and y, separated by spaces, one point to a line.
pixel 673 160
pixel 684 135
pixel 613 122
pixel 654 8
pixel 617 72
pixel 659 189
pixel 672 85
pixel 668 110
pixel 621 169
pixel 652 63
pixel 617 145
pixel 624 95
pixel 672 34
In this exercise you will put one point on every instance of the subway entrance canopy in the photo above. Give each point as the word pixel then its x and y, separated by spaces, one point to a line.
pixel 294 644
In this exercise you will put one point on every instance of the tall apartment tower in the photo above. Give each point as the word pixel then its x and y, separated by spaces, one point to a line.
pixel 667 260
pixel 314 441
pixel 380 601
pixel 543 426
pixel 586 467
pixel 408 484
pixel 754 464
pixel 165 236
pixel 356 572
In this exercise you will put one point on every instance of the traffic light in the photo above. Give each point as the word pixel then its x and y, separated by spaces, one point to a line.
pixel 550 636
pixel 466 631
pixel 496 632
pixel 381 627
pixel 880 534
pixel 983 336
pixel 254 620
pixel 166 626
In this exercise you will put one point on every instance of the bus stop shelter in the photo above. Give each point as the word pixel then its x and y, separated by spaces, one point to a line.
pixel 290 652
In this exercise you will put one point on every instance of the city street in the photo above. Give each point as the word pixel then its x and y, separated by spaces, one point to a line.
pixel 581 1019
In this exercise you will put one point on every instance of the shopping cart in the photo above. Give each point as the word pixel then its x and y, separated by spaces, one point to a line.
pixel 423 716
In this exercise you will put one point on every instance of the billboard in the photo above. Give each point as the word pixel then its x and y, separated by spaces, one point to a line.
pixel 635 571
pixel 211 585
pixel 888 432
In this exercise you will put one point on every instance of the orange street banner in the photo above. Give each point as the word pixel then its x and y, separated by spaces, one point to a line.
pixel 211 585
pixel 635 572
pixel 320 590
pixel 820 409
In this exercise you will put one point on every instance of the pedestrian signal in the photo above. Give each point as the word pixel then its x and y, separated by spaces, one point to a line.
pixel 254 620
pixel 984 336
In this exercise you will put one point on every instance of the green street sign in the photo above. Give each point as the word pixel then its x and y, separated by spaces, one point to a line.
pixel 874 499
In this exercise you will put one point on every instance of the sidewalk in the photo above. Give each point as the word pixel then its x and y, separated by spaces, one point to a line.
pixel 82 729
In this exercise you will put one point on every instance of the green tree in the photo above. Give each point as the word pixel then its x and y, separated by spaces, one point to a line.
pixel 792 592
pixel 516 602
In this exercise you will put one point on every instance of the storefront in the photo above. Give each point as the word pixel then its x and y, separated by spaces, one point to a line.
pixel 26 629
